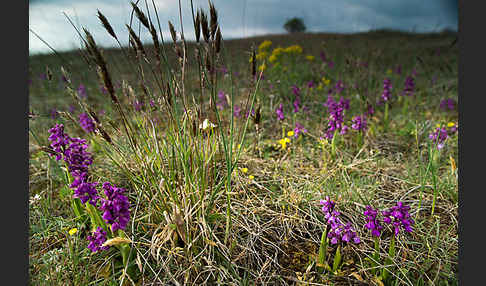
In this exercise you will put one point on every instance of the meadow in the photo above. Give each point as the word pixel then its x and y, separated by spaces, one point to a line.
pixel 297 159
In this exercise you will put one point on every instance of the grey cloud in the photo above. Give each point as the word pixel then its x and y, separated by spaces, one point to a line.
pixel 261 17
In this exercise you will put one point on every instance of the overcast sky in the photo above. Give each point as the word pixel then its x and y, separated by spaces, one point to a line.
pixel 237 18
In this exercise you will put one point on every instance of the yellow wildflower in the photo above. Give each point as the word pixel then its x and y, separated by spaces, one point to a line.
pixel 283 142
pixel 290 133
pixel 325 80
pixel 294 49
pixel 310 57
pixel 262 67
pixel 289 49
pixel 264 45
pixel 277 51
pixel 450 124
pixel 437 125
pixel 261 56
pixel 319 86
pixel 72 231
pixel 272 58
pixel 244 170
pixel 251 177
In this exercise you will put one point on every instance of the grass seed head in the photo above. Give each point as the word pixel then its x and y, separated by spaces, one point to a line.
pixel 136 40
pixel 155 39
pixel 214 19
pixel 140 15
pixel 172 32
pixel 197 26
pixel 218 41
pixel 107 25
pixel 205 26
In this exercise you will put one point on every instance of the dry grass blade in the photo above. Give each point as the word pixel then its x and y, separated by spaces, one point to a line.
pixel 116 241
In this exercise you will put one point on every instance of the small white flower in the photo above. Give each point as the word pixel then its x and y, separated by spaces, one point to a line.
pixel 206 124
pixel 34 199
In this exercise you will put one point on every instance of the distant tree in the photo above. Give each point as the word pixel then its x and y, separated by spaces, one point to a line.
pixel 294 25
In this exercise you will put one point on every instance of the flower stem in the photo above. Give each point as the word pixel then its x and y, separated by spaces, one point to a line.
pixel 385 119
pixel 360 139
pixel 405 106
pixel 333 145
pixel 434 160
pixel 76 202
